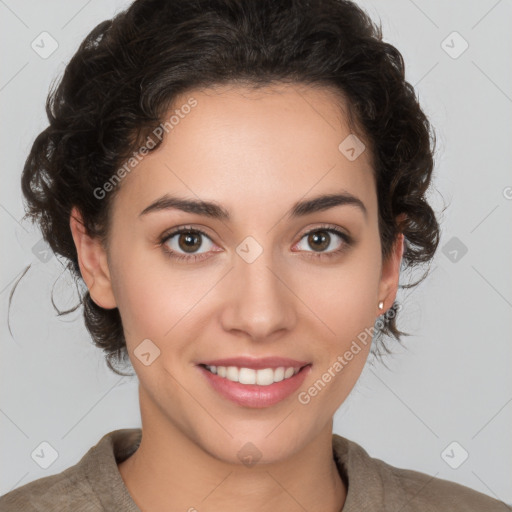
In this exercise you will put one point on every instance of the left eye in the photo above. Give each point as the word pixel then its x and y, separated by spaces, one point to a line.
pixel 321 240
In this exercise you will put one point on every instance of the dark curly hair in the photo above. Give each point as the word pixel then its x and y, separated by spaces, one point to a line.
pixel 127 72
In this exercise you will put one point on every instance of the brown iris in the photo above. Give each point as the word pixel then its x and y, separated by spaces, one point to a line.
pixel 319 236
pixel 189 241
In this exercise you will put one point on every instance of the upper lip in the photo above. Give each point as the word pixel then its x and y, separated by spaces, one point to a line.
pixel 256 363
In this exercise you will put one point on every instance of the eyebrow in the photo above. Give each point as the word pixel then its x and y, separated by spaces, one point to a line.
pixel 215 211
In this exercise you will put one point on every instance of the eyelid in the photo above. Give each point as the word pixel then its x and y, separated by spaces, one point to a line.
pixel 333 227
pixel 178 229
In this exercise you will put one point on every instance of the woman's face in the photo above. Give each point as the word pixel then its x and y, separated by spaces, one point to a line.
pixel 268 280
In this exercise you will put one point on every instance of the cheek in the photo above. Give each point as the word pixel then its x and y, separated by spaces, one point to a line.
pixel 345 299
pixel 346 306
pixel 157 301
pixel 144 297
pixel 342 351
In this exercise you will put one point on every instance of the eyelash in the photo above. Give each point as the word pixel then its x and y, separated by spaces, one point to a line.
pixel 348 241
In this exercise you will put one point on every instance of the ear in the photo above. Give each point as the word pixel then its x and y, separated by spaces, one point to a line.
pixel 390 273
pixel 92 259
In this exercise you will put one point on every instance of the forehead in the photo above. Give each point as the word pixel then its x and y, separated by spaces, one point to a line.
pixel 243 147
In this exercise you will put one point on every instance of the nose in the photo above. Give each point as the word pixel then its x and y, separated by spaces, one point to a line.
pixel 259 300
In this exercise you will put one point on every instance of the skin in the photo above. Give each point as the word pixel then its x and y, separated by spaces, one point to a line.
pixel 255 153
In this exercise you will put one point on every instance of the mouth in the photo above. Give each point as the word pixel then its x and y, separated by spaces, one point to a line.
pixel 255 387
pixel 260 377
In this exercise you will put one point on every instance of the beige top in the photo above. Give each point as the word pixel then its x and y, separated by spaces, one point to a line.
pixel 94 484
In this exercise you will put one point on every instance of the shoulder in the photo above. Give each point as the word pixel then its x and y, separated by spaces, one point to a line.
pixel 68 490
pixel 88 486
pixel 425 492
pixel 373 483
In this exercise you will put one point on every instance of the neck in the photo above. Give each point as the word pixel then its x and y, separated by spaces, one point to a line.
pixel 169 471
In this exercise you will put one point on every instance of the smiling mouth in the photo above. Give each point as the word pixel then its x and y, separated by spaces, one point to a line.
pixel 261 377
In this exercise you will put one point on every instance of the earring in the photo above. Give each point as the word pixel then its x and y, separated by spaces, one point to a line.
pixel 381 305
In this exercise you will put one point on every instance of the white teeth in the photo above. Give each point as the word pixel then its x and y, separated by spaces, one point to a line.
pixel 279 374
pixel 263 377
pixel 247 376
pixel 232 373
pixel 288 372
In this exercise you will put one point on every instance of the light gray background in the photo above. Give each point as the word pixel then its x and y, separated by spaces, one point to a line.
pixel 453 383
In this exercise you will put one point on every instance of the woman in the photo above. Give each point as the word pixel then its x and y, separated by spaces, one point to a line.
pixel 238 183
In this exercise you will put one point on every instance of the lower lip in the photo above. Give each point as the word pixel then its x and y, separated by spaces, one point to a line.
pixel 252 395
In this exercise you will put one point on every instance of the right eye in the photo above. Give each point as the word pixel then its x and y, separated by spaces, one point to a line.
pixel 187 240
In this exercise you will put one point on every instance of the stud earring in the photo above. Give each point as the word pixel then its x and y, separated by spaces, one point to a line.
pixel 381 305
